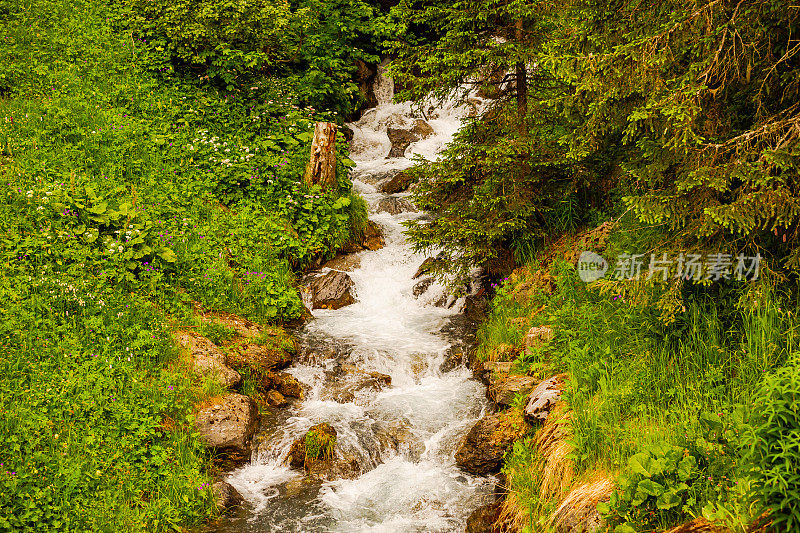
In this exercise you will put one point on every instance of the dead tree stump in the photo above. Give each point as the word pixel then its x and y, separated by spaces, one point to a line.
pixel 321 166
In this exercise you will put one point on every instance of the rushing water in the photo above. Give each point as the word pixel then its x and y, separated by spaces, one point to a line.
pixel 412 485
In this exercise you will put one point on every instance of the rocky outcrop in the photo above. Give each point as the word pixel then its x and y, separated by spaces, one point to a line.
pixel 208 360
pixel 427 266
pixel 331 290
pixel 482 450
pixel 344 263
pixel 544 398
pixel 229 423
pixel 484 519
pixel 365 76
pixel 260 357
pixel 225 495
pixel 537 337
pixel 276 399
pixel 401 138
pixel 421 286
pixel 503 388
pixel 394 206
pixel 398 183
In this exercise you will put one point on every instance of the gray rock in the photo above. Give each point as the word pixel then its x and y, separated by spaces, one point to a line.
pixel 208 359
pixel 225 495
pixel 394 206
pixel 544 398
pixel 504 387
pixel 352 380
pixel 401 138
pixel 396 437
pixel 422 286
pixel 332 290
pixel 228 424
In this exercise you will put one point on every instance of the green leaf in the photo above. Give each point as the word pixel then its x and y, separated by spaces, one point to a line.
pixel 638 464
pixel 650 487
pixel 167 255
pixel 686 466
pixel 668 500
pixel 624 528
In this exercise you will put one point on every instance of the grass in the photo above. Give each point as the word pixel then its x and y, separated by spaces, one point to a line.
pixel 638 383
pixel 116 218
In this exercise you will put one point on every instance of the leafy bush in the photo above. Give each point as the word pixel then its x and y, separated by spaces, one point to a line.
pixel 775 449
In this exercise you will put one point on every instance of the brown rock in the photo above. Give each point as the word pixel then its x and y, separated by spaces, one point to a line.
pixel 208 359
pixel 261 357
pixel 537 337
pixel 544 398
pixel 284 383
pixel 398 183
pixel 373 237
pixel 276 399
pixel 484 519
pixel 394 206
pixel 225 495
pixel 344 263
pixel 483 448
pixel 332 290
pixel 426 267
pixel 228 424
pixel 504 387
pixel 353 380
pixel 401 138
pixel 396 437
pixel 322 438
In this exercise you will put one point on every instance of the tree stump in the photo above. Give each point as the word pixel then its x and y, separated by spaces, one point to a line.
pixel 321 166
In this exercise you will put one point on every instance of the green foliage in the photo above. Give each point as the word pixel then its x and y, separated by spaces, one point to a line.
pixel 113 227
pixel 659 479
pixel 311 45
pixel 776 447
pixel 319 445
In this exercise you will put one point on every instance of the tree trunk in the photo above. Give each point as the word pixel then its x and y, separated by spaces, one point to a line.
pixel 522 83
pixel 321 166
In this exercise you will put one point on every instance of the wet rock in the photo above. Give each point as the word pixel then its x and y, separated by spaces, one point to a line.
pixel 261 357
pixel 225 495
pixel 484 519
pixel 503 367
pixel 344 263
pixel 399 182
pixel 504 387
pixel 332 290
pixel 401 138
pixel 285 384
pixel 276 399
pixel 453 358
pixel 365 77
pixel 476 308
pixel 208 359
pixel 482 450
pixel 537 337
pixel 544 398
pixel 353 380
pixel 373 237
pixel 396 437
pixel 229 424
pixel 315 453
pixel 394 206
pixel 422 286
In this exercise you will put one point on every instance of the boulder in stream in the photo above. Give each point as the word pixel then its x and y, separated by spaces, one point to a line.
pixel 225 495
pixel 315 453
pixel 394 206
pixel 484 519
pixel 331 290
pixel 285 384
pixel 401 138
pixel 352 380
pixel 399 182
pixel 482 450
pixel 229 423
